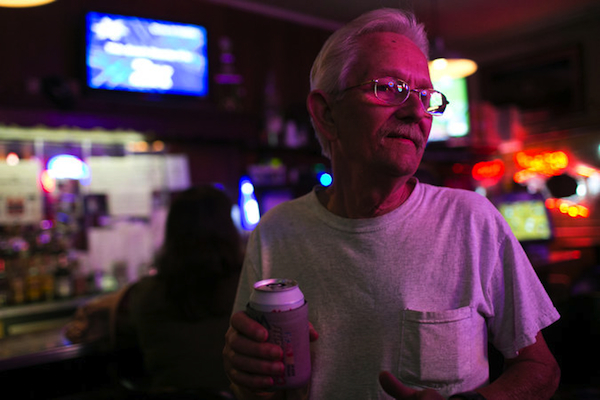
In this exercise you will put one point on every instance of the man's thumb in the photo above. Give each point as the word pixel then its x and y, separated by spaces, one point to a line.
pixel 393 386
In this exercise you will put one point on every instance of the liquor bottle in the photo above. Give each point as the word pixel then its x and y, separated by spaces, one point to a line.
pixel 17 284
pixel 63 287
pixel 4 284
pixel 33 281
pixel 47 277
pixel 79 278
pixel 17 269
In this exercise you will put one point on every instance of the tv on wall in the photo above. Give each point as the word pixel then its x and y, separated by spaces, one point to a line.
pixel 455 122
pixel 527 216
pixel 133 54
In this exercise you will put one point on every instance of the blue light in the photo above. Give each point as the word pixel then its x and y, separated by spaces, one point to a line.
pixel 250 212
pixel 325 179
pixel 247 187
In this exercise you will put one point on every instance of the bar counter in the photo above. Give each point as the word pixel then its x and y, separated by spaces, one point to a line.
pixel 38 348
pixel 37 361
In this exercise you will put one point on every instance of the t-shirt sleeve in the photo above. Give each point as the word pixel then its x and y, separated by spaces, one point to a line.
pixel 521 305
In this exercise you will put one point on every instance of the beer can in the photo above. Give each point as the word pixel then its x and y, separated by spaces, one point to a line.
pixel 279 305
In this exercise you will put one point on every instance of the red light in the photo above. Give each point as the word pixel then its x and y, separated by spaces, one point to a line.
pixel 567 207
pixel 488 170
pixel 48 182
pixel 546 163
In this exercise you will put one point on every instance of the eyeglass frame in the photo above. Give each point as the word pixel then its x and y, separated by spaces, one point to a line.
pixel 445 101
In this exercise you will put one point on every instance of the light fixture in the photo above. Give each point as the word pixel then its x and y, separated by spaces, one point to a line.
pixel 447 64
pixel 23 3
pixel 444 63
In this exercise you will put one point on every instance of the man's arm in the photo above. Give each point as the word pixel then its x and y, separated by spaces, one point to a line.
pixel 533 374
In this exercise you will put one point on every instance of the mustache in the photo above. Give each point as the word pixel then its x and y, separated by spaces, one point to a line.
pixel 410 132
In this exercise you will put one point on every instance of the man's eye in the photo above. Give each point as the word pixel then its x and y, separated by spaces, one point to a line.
pixel 382 87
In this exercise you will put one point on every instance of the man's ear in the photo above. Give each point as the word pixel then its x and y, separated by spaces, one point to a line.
pixel 318 104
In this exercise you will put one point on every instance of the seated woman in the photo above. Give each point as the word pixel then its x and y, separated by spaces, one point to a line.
pixel 179 316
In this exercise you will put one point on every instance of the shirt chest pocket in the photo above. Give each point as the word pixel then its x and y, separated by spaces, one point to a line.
pixel 437 347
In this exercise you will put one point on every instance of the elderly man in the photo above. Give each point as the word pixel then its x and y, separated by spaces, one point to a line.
pixel 406 282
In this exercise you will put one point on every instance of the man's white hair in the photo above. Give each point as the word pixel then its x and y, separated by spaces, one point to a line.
pixel 337 56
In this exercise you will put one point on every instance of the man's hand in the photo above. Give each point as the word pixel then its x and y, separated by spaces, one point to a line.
pixel 397 390
pixel 250 361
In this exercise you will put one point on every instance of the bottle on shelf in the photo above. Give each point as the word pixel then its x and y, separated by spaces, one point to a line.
pixel 4 284
pixel 63 282
pixel 47 277
pixel 33 280
pixel 17 283
pixel 17 268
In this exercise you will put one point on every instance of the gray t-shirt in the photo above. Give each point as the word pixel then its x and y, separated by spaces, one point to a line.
pixel 418 291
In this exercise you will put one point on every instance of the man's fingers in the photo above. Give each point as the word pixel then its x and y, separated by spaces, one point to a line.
pixel 250 381
pixel 240 344
pixel 256 366
pixel 393 387
pixel 248 327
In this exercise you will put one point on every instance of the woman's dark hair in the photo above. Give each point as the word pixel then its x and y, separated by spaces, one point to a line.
pixel 201 251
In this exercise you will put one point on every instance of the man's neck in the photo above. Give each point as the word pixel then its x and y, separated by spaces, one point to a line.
pixel 367 201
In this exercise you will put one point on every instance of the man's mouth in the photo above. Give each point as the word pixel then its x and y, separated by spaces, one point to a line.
pixel 400 136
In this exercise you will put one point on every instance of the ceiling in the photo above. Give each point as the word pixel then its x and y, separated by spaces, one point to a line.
pixel 459 22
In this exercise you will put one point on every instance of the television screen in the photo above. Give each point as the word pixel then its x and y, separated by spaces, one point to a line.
pixel 134 54
pixel 454 123
pixel 527 216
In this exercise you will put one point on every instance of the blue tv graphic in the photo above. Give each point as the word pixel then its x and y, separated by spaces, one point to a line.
pixel 145 55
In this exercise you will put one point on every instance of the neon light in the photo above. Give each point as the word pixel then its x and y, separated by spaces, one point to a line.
pixel 547 163
pixel 551 203
pixel 48 183
pixel 250 211
pixel 567 207
pixel 325 179
pixel 523 176
pixel 488 170
pixel 247 187
pixel 65 166
pixel 585 171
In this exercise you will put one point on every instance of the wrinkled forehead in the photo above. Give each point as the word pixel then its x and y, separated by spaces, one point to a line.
pixel 389 54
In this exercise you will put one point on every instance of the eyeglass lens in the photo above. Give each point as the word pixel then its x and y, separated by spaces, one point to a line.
pixel 395 91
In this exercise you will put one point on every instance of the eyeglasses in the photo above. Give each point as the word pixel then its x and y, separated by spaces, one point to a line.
pixel 395 91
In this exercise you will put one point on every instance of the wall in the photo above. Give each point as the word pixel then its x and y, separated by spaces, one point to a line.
pixel 44 45
pixel 551 73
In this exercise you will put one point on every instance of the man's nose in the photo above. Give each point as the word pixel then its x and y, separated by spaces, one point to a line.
pixel 412 108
